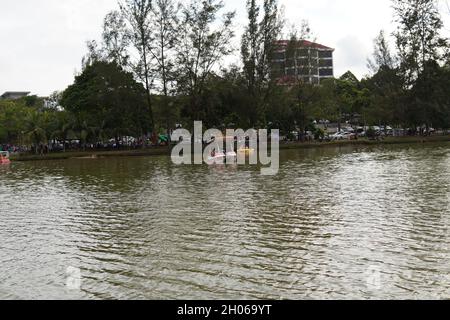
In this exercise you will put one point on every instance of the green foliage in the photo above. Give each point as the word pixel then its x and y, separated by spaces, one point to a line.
pixel 116 38
pixel 257 48
pixel 12 119
pixel 371 133
pixel 319 134
pixel 408 89
pixel 200 47
pixel 138 14
pixel 177 48
pixel 26 125
pixel 36 128
pixel 105 96
pixel 32 101
pixel 418 35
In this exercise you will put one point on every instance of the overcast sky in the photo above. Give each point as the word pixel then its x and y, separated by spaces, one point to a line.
pixel 42 41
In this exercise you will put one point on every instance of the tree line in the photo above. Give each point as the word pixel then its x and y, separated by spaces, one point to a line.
pixel 161 63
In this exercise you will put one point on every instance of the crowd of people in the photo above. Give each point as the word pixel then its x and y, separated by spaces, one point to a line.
pixel 11 148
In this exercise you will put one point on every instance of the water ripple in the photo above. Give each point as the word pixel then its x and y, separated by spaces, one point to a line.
pixel 142 228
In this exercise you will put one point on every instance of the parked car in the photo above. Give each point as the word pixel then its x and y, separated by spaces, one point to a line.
pixel 343 135
pixel 338 136
pixel 348 135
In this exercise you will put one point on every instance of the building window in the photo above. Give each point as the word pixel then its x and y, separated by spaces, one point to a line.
pixel 303 52
pixel 279 56
pixel 326 72
pixel 290 72
pixel 313 53
pixel 325 54
pixel 326 63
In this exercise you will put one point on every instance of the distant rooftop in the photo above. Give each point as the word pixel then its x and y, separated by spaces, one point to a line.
pixel 14 95
pixel 305 44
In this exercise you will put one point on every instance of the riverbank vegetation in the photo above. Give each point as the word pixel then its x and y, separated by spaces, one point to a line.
pixel 160 64
pixel 166 150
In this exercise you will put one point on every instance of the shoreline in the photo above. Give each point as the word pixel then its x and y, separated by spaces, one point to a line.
pixel 165 151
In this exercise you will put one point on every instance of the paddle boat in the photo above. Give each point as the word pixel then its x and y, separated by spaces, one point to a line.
pixel 4 157
pixel 246 151
pixel 216 158
pixel 231 155
pixel 222 157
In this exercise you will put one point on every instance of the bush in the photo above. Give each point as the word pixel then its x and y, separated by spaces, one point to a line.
pixel 291 137
pixel 319 134
pixel 371 133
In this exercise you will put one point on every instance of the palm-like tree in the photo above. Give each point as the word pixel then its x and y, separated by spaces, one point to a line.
pixel 85 132
pixel 101 132
pixel 35 131
pixel 64 128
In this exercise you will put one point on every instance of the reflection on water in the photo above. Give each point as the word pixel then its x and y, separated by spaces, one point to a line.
pixel 335 223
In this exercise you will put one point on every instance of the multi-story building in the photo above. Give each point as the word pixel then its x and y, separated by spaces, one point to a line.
pixel 14 95
pixel 302 60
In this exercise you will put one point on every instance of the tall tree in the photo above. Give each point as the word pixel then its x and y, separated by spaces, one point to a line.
pixel 251 46
pixel 347 87
pixel 257 50
pixel 420 46
pixel 202 43
pixel 418 34
pixel 105 96
pixel 386 86
pixel 93 55
pixel 382 55
pixel 297 49
pixel 303 92
pixel 270 28
pixel 116 38
pixel 165 34
pixel 138 13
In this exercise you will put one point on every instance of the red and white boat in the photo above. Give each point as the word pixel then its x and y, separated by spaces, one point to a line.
pixel 4 157
pixel 222 157
pixel 217 158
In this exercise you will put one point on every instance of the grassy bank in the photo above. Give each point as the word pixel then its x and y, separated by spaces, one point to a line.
pixel 92 154
pixel 162 151
pixel 366 142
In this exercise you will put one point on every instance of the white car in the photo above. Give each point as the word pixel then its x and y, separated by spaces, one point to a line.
pixel 342 136
pixel 337 136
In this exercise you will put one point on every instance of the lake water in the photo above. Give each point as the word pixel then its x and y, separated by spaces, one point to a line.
pixel 339 223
